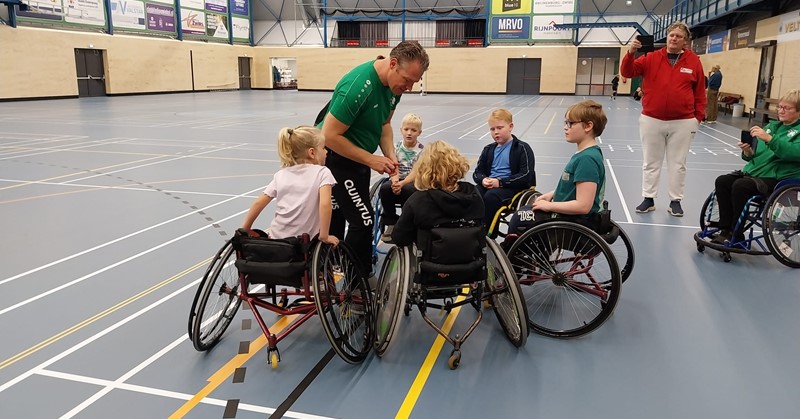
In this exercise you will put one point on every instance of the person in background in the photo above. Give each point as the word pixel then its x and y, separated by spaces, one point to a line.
pixel 614 86
pixel 401 185
pixel 712 94
pixel 671 112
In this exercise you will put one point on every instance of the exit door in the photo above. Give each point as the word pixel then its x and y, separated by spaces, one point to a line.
pixel 91 72
pixel 244 73
pixel 523 76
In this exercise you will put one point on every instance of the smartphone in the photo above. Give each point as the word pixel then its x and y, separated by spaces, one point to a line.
pixel 647 43
pixel 746 138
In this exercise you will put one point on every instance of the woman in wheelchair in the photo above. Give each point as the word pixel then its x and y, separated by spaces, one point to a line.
pixel 773 155
pixel 302 188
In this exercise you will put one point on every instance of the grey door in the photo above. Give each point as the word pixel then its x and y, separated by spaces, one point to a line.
pixel 523 76
pixel 91 72
pixel 244 73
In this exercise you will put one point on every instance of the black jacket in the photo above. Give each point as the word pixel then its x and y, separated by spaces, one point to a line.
pixel 428 208
pixel 521 160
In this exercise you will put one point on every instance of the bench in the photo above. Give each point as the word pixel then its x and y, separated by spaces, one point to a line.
pixel 726 100
pixel 768 110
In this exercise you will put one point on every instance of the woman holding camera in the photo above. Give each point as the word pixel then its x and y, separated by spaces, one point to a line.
pixel 773 156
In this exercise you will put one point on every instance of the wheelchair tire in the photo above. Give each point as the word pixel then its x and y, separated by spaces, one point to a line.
pixel 508 306
pixel 216 301
pixel 781 221
pixel 570 278
pixel 390 298
pixel 623 251
pixel 709 218
pixel 377 227
pixel 343 300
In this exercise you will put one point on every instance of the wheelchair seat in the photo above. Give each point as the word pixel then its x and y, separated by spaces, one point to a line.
pixel 271 261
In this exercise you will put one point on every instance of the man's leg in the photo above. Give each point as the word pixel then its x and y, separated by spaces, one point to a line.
pixel 653 148
pixel 351 193
pixel 679 138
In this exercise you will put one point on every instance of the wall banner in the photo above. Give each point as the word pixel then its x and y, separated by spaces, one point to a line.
pixel 511 7
pixel 85 12
pixel 217 26
pixel 43 9
pixel 511 28
pixel 128 14
pixel 241 28
pixel 239 7
pixel 160 18
pixel 544 29
pixel 558 7
pixel 789 27
pixel 193 22
pixel 742 36
pixel 699 45
pixel 718 42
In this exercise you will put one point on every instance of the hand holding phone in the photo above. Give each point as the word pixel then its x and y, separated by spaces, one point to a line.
pixel 747 138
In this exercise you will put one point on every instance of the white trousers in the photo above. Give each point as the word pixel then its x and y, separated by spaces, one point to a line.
pixel 665 138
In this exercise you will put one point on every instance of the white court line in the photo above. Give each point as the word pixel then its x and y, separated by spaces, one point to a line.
pixel 171 394
pixel 658 225
pixel 477 114
pixel 717 139
pixel 135 189
pixel 619 192
pixel 100 246
pixel 73 147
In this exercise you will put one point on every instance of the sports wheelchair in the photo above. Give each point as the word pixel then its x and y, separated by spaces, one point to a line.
pixel 377 228
pixel 293 276
pixel 453 266
pixel 777 216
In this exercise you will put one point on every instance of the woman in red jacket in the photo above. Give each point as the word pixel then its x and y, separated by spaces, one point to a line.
pixel 671 111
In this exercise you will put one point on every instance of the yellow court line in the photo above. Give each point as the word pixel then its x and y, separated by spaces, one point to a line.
pixel 76 174
pixel 228 369
pixel 427 365
pixel 550 123
pixel 98 316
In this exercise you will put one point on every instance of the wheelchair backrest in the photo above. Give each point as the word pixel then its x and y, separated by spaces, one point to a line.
pixel 452 253
pixel 267 260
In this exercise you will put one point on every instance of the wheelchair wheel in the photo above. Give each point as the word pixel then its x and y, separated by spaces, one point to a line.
pixel 390 300
pixel 570 278
pixel 377 227
pixel 216 301
pixel 623 251
pixel 344 301
pixel 709 215
pixel 782 225
pixel 507 303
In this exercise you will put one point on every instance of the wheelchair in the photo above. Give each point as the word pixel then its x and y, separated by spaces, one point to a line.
pixel 293 276
pixel 377 228
pixel 619 241
pixel 777 217
pixel 435 276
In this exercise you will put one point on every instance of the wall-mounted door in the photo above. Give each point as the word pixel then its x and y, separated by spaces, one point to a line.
pixel 594 76
pixel 245 81
pixel 523 76
pixel 91 72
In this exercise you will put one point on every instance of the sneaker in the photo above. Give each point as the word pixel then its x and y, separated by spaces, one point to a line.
pixel 675 209
pixel 646 206
pixel 386 237
pixel 722 237
pixel 711 122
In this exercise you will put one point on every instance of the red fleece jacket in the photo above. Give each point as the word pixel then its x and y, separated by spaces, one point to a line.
pixel 671 92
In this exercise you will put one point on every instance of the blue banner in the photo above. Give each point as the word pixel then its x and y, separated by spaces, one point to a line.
pixel 511 28
pixel 718 42
pixel 239 7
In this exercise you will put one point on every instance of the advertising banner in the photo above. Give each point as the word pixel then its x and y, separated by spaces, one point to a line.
pixel 239 7
pixel 511 7
pixel 85 12
pixel 193 4
pixel 742 36
pixel 128 14
pixel 160 18
pixel 559 7
pixel 718 42
pixel 544 29
pixel 217 26
pixel 193 22
pixel 217 6
pixel 43 9
pixel 789 27
pixel 241 28
pixel 699 45
pixel 511 28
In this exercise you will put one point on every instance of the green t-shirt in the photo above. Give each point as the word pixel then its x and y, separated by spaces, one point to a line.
pixel 785 143
pixel 585 166
pixel 363 103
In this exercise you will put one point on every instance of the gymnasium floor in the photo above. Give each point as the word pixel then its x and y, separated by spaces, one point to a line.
pixel 112 207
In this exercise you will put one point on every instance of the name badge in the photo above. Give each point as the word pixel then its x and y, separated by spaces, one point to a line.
pixel 686 70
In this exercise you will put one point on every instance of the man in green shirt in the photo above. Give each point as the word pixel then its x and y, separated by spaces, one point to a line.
pixel 358 121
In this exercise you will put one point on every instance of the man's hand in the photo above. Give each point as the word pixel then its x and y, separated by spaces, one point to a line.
pixel 635 45
pixel 383 165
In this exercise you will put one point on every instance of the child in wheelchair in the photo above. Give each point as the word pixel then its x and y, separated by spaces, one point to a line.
pixel 401 185
pixel 301 188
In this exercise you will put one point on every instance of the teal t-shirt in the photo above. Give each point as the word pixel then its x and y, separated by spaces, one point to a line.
pixel 363 103
pixel 585 166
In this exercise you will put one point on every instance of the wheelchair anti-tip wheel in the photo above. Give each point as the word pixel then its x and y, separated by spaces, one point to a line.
pixel 216 301
pixel 344 301
pixel 781 221
pixel 570 278
pixel 506 295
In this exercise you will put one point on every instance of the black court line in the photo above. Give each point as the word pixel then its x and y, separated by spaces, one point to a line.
pixel 307 380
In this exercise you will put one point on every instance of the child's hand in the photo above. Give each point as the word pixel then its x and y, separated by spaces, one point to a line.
pixel 397 187
pixel 252 233
pixel 542 205
pixel 332 240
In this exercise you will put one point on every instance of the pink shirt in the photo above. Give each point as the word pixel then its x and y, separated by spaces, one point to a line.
pixel 295 190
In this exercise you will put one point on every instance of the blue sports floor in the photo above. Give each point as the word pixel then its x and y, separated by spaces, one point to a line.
pixel 111 208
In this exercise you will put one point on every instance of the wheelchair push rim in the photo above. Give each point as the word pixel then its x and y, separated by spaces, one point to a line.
pixel 506 295
pixel 390 298
pixel 781 221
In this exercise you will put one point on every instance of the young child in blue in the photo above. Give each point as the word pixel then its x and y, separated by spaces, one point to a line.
pixel 301 188
pixel 401 185
pixel 581 187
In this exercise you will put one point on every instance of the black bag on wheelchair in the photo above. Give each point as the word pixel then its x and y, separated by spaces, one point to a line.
pixel 600 222
pixel 452 254
pixel 270 261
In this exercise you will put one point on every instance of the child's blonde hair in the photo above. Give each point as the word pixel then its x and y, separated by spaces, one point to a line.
pixel 412 119
pixel 440 166
pixel 502 115
pixel 293 143
pixel 589 111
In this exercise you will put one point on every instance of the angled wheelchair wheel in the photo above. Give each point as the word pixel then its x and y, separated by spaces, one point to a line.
pixel 390 299
pixel 216 301
pixel 709 215
pixel 781 221
pixel 377 227
pixel 344 301
pixel 506 295
pixel 570 278
pixel 623 251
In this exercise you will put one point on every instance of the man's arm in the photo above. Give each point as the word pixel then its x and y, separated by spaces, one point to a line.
pixel 387 140
pixel 699 95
